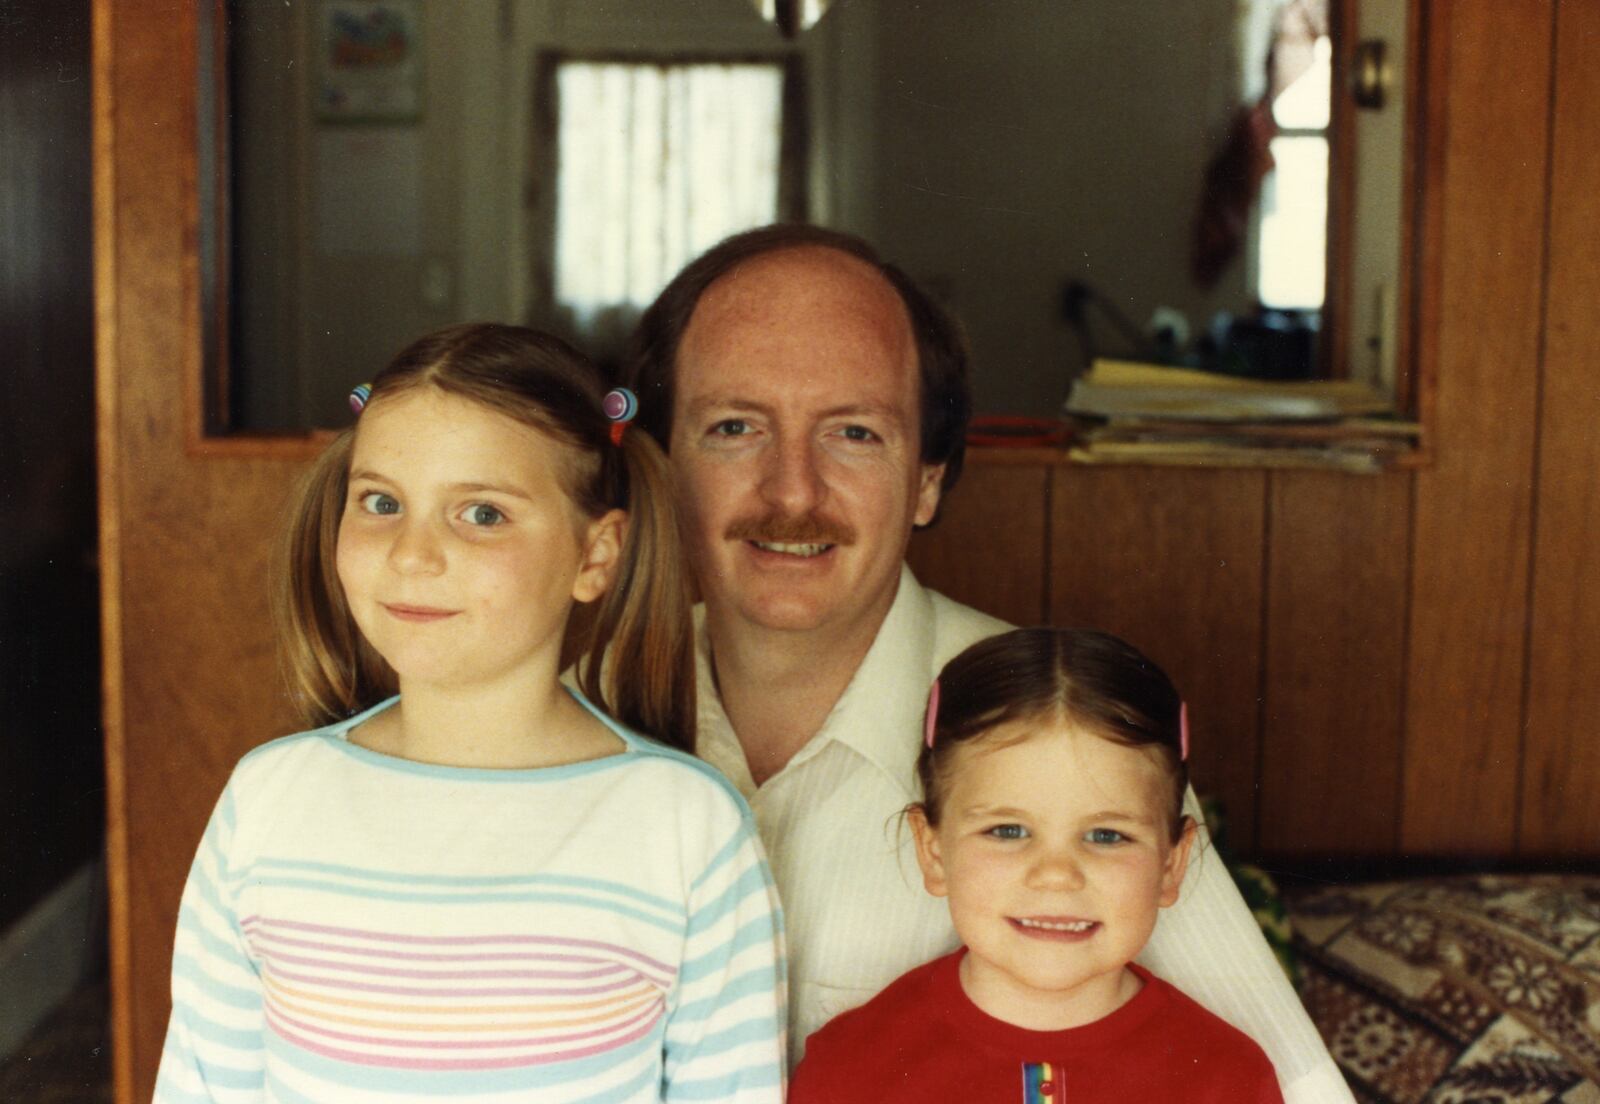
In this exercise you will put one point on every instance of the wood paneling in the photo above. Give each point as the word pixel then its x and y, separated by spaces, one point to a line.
pixel 1385 629
pixel 1171 560
pixel 1335 650
pixel 190 679
pixel 1472 525
pixel 1007 578
pixel 1560 812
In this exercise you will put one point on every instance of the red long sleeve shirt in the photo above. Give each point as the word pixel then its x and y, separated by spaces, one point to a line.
pixel 922 1039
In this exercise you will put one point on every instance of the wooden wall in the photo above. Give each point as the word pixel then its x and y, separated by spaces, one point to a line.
pixel 1395 665
pixel 186 525
pixel 1379 665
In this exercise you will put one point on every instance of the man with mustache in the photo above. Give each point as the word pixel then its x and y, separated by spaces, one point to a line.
pixel 813 404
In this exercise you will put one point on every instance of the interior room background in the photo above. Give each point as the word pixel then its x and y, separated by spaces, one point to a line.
pixel 1385 667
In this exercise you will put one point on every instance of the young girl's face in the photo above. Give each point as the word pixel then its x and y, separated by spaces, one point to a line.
pixel 1055 850
pixel 459 552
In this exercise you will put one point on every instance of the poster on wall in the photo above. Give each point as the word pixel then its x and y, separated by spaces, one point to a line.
pixel 371 60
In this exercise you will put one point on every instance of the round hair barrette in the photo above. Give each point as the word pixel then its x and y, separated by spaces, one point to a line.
pixel 359 397
pixel 620 405
pixel 931 722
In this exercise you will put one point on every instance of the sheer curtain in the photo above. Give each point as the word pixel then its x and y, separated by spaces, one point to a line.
pixel 1292 243
pixel 657 162
pixel 1285 96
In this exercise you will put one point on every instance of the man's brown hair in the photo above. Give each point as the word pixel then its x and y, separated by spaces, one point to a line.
pixel 943 390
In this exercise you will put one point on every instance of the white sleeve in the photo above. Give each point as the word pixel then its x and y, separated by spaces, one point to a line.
pixel 1209 945
pixel 213 1051
pixel 725 1030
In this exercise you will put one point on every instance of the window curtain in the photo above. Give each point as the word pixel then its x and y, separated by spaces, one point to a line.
pixel 656 164
pixel 1277 42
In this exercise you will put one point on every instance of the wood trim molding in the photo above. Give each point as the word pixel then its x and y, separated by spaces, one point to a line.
pixel 187 521
pixel 1422 218
pixel 1336 313
pixel 287 447
pixel 107 409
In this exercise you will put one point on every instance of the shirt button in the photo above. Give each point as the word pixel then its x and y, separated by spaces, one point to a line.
pixel 1047 1087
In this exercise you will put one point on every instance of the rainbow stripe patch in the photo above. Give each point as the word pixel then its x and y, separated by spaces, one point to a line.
pixel 1041 1083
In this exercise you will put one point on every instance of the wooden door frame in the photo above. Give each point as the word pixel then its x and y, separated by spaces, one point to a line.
pixel 186 520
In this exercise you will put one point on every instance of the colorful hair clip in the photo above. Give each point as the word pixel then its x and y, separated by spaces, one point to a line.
pixel 931 722
pixel 620 405
pixel 359 396
pixel 1183 731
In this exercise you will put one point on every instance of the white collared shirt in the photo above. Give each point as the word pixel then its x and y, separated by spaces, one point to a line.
pixel 856 915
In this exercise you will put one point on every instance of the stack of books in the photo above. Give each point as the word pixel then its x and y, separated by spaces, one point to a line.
pixel 1147 413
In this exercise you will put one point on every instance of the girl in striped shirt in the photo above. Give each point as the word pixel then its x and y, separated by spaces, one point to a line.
pixel 467 881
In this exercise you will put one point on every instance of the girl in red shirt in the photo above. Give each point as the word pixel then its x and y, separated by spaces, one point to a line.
pixel 1054 772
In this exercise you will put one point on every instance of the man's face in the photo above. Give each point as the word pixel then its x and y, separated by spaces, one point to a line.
pixel 795 442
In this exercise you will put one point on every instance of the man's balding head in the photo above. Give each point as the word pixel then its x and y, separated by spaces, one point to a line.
pixel 944 397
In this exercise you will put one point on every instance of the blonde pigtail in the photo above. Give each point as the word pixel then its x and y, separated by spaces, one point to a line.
pixel 331 670
pixel 639 661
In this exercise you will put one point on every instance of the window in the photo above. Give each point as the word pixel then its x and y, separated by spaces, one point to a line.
pixel 1294 200
pixel 656 162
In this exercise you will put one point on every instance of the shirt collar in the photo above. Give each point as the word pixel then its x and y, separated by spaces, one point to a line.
pixel 715 741
pixel 877 716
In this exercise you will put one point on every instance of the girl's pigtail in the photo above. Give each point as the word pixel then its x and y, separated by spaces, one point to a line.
pixel 647 681
pixel 331 670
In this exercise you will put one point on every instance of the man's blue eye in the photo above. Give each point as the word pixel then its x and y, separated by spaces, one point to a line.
pixel 1105 835
pixel 731 427
pixel 481 513
pixel 1008 832
pixel 859 433
pixel 376 502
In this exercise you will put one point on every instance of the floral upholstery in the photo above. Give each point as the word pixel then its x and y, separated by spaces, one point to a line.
pixel 1465 990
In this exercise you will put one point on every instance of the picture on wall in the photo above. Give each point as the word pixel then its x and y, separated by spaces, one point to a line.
pixel 370 59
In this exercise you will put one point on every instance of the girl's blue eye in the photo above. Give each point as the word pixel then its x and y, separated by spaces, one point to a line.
pixel 376 502
pixel 1008 832
pixel 1105 835
pixel 481 513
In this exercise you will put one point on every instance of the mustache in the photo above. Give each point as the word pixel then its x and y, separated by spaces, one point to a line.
pixel 778 528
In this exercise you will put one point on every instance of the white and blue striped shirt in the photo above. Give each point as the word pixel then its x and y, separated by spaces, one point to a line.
pixel 360 928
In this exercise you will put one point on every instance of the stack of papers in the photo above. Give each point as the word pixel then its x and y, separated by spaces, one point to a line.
pixel 1153 414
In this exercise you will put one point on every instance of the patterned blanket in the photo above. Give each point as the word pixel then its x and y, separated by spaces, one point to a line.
pixel 1465 990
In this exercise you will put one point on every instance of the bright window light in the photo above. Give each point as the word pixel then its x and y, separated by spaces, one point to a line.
pixel 1294 197
pixel 1306 104
pixel 658 162
pixel 1294 224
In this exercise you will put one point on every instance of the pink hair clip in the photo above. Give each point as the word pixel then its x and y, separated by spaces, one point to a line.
pixel 620 405
pixel 932 719
pixel 1183 731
